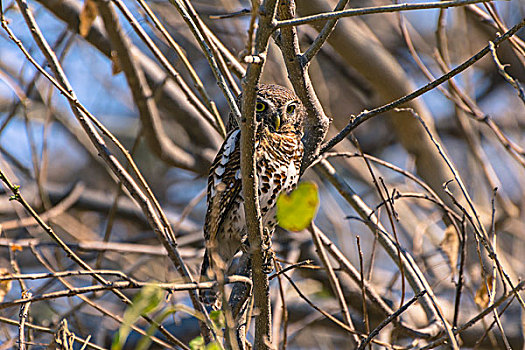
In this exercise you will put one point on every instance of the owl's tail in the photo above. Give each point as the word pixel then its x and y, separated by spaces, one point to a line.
pixel 208 296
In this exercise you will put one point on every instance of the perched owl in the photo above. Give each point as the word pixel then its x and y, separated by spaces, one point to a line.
pixel 278 152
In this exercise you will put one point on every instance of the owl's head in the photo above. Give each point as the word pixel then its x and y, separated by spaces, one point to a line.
pixel 277 109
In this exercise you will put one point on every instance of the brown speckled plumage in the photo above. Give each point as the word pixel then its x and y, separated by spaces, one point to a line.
pixel 278 153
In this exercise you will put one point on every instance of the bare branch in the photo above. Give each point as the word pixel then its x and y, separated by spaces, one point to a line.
pixel 372 10
pixel 250 178
pixel 366 115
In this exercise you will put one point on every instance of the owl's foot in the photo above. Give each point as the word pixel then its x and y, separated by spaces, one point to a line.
pixel 211 298
pixel 268 256
pixel 267 251
pixel 266 247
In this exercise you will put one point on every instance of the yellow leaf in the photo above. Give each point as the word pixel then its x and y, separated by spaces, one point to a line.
pixel 87 17
pixel 482 296
pixel 450 246
pixel 5 286
pixel 295 211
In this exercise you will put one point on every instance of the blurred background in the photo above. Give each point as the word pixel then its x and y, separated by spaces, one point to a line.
pixel 368 61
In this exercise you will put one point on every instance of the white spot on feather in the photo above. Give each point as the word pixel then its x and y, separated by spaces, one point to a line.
pixel 219 170
pixel 230 144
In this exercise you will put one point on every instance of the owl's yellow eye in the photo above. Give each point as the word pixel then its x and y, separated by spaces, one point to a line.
pixel 259 107
pixel 290 109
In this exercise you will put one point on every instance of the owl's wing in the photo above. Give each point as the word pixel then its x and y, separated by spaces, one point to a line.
pixel 224 184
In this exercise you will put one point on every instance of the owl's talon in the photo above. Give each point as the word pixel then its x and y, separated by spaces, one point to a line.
pixel 268 256
pixel 267 251
pixel 211 297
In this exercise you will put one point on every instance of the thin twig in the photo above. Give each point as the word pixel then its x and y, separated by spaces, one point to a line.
pixel 501 69
pixel 194 76
pixel 459 283
pixel 283 320
pixel 334 282
pixel 159 224
pixel 517 44
pixel 143 97
pixel 252 26
pixel 58 209
pixel 414 275
pixel 18 197
pixel 24 312
pixel 101 309
pixel 323 34
pixel 315 307
pixel 97 246
pixel 362 275
pixel 49 331
pixel 37 276
pixel 120 285
pixel 480 231
pixel 193 22
pixel 390 213
pixel 430 331
pixel 317 122
pixel 510 294
pixel 373 10
pixel 366 115
pixel 389 319
pixel 291 267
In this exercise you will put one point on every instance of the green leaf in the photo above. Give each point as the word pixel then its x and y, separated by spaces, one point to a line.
pixel 145 342
pixel 217 316
pixel 295 211
pixel 197 343
pixel 213 346
pixel 146 301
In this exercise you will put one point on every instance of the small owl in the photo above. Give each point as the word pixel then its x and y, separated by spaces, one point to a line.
pixel 278 152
